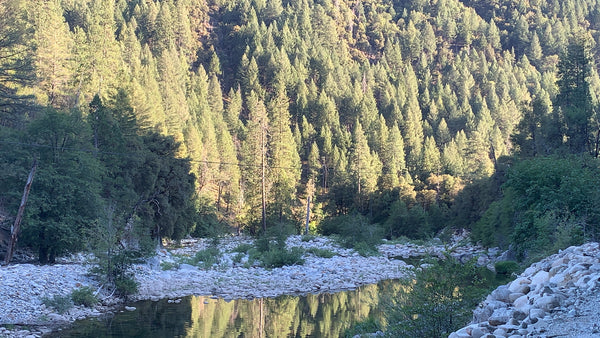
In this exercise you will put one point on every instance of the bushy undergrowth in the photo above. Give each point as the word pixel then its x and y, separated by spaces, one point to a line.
pixel 84 296
pixel 207 258
pixel 367 326
pixel 547 204
pixel 438 301
pixel 355 232
pixel 60 303
pixel 273 253
pixel 507 267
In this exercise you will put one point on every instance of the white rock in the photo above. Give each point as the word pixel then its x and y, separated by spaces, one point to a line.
pixel 540 278
pixel 537 313
pixel 547 303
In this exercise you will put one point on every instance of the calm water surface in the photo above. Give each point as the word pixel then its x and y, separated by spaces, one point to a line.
pixel 323 315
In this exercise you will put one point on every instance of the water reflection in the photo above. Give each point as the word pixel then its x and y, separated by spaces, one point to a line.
pixel 323 315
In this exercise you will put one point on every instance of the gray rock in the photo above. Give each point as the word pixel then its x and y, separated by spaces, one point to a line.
pixel 547 303
pixel 477 332
pixel 500 316
pixel 519 315
pixel 537 313
pixel 502 294
pixel 514 296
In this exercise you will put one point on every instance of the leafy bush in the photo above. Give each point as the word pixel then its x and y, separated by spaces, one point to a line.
pixel 84 296
pixel 278 257
pixel 355 231
pixel 59 303
pixel 319 252
pixel 439 299
pixel 243 248
pixel 207 258
pixel 366 326
pixel 548 203
pixel 272 253
pixel 165 266
pixel 238 257
pixel 115 268
pixel 126 286
pixel 307 238
pixel 506 267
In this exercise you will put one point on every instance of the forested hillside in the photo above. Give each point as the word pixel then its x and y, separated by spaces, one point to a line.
pixel 168 117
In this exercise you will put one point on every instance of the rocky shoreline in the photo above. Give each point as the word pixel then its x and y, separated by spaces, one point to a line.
pixel 24 285
pixel 555 297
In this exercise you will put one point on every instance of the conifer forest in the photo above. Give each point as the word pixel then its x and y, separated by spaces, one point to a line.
pixel 161 119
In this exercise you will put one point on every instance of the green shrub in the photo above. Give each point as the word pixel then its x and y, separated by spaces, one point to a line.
pixel 278 257
pixel 354 231
pixel 207 258
pixel 243 248
pixel 169 265
pixel 238 257
pixel 126 286
pixel 365 249
pixel 84 296
pixel 438 300
pixel 506 267
pixel 59 303
pixel 366 326
pixel 307 238
pixel 323 253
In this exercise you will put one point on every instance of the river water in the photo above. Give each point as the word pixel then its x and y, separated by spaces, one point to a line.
pixel 322 315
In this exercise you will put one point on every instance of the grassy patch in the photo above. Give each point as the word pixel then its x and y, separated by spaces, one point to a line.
pixel 323 253
pixel 59 303
pixel 243 248
pixel 165 266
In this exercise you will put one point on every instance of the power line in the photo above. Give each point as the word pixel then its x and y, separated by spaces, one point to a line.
pixel 140 154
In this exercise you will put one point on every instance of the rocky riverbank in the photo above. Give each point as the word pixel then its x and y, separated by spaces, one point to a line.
pixel 556 297
pixel 23 286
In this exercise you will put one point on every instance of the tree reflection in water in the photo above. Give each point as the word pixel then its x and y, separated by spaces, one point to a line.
pixel 322 315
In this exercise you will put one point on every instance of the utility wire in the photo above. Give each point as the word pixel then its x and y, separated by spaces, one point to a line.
pixel 140 154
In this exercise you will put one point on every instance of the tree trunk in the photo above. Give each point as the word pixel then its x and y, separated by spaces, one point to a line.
pixel 16 228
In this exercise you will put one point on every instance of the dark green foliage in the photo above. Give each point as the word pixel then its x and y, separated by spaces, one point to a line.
pixel 115 269
pixel 59 303
pixel 366 326
pixel 16 64
pixel 278 257
pixel 273 253
pixel 438 301
pixel 207 257
pixel 548 203
pixel 64 197
pixel 355 231
pixel 507 267
pixel 84 296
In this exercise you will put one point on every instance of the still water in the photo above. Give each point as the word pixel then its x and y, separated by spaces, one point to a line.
pixel 322 315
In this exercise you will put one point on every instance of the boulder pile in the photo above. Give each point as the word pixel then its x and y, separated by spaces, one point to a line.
pixel 553 288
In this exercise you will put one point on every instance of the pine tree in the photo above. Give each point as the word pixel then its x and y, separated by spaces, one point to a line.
pixel 255 185
pixel 284 160
pixel 574 100
pixel 52 54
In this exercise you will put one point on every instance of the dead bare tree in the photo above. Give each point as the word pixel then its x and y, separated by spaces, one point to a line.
pixel 16 228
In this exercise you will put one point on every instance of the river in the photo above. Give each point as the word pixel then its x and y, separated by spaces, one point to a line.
pixel 322 315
